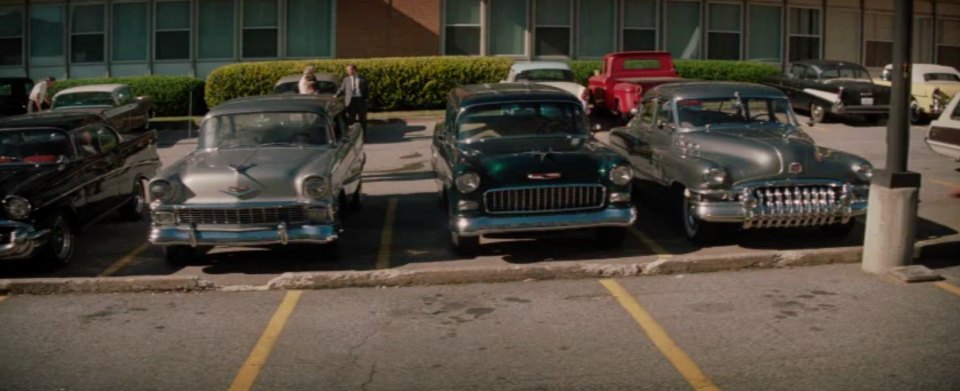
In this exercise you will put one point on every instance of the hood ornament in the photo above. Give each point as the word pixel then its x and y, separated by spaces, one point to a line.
pixel 795 168
pixel 546 176
pixel 240 191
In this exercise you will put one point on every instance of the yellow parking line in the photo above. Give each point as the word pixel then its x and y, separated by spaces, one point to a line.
pixel 680 360
pixel 650 243
pixel 386 238
pixel 258 357
pixel 948 287
pixel 123 262
pixel 947 184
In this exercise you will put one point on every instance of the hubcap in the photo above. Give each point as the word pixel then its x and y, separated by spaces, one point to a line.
pixel 62 241
pixel 817 113
pixel 139 200
pixel 690 223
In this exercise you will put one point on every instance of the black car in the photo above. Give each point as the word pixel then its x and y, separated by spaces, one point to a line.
pixel 14 94
pixel 61 172
pixel 826 88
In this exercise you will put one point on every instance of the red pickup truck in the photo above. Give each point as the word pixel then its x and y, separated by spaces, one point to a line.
pixel 619 87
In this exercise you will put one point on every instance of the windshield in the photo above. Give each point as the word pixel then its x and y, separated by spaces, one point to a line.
pixel 264 129
pixel 705 113
pixel 545 75
pixel 940 77
pixel 528 119
pixel 845 71
pixel 33 146
pixel 83 99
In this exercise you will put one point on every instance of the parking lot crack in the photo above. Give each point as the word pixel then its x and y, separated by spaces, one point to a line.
pixel 373 372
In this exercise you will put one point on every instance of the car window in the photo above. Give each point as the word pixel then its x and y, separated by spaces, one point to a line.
pixel 545 75
pixel 845 71
pixel 83 99
pixel 87 143
pixel 705 113
pixel 6 89
pixel 809 74
pixel 941 77
pixel 124 96
pixel 648 113
pixel 525 119
pixel 955 115
pixel 251 130
pixel 797 70
pixel 665 115
pixel 107 139
pixel 33 146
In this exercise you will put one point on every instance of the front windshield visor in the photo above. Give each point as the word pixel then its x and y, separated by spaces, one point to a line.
pixel 703 113
pixel 83 99
pixel 34 146
pixel 521 119
pixel 264 129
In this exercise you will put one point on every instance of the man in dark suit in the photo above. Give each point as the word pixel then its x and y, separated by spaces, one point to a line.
pixel 355 93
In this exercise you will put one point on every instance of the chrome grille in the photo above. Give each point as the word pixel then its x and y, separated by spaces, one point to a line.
pixel 544 199
pixel 797 206
pixel 269 215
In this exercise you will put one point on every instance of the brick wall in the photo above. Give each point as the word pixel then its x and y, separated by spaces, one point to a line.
pixel 385 28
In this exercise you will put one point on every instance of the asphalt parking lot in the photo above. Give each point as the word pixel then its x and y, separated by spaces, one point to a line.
pixel 401 225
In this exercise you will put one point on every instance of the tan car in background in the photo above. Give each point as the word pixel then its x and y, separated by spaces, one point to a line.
pixel 932 86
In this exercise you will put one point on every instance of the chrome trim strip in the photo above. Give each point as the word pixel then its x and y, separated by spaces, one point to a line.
pixel 483 225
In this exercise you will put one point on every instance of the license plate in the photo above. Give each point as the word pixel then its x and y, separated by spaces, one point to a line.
pixel 866 101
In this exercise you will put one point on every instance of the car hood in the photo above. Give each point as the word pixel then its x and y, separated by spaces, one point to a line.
pixel 19 179
pixel 760 154
pixel 264 174
pixel 538 161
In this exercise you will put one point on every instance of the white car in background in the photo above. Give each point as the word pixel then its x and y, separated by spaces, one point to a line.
pixel 943 136
pixel 551 73
pixel 931 87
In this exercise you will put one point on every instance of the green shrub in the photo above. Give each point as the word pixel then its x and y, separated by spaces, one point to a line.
pixel 748 71
pixel 171 94
pixel 405 83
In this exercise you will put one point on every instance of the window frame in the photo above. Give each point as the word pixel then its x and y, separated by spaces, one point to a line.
pixel 22 37
pixel 789 31
pixel 148 20
pixel 570 32
pixel 62 58
pixel 656 24
pixel 780 41
pixel 617 7
pixel 286 27
pixel 709 29
pixel 242 27
pixel 867 39
pixel 482 50
pixel 189 29
pixel 666 26
pixel 234 34
pixel 938 36
pixel 103 33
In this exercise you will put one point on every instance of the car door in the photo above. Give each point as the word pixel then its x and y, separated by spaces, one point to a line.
pixel 444 137
pixel 635 139
pixel 349 152
pixel 790 83
pixel 95 168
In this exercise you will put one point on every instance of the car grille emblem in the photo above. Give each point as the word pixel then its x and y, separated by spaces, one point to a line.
pixel 239 191
pixel 795 168
pixel 546 176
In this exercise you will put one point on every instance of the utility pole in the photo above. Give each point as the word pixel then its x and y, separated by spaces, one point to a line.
pixel 894 191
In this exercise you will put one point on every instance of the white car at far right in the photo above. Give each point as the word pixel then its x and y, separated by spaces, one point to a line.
pixel 943 137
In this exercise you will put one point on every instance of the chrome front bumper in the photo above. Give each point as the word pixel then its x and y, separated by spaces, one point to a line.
pixel 782 212
pixel 22 241
pixel 483 225
pixel 192 235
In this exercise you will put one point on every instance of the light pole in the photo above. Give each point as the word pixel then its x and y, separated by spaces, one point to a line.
pixel 894 191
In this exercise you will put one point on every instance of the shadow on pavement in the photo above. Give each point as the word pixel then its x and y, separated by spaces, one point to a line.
pixel 392 131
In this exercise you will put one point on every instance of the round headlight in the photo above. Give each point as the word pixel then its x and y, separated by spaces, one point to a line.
pixel 864 171
pixel 468 182
pixel 161 190
pixel 17 207
pixel 714 176
pixel 315 187
pixel 621 175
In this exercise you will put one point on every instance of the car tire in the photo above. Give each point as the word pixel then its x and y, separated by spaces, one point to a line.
pixel 698 231
pixel 179 255
pixel 465 246
pixel 135 207
pixel 838 232
pixel 916 116
pixel 61 243
pixel 356 200
pixel 818 113
pixel 611 237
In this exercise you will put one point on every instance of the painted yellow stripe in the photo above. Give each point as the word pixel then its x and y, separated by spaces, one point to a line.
pixel 948 287
pixel 680 360
pixel 947 184
pixel 123 262
pixel 650 243
pixel 258 357
pixel 386 238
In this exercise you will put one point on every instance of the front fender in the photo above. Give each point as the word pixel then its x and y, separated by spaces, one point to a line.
pixel 628 96
pixel 686 171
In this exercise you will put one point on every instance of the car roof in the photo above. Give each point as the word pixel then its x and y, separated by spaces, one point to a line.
pixel 819 64
pixel 474 94
pixel 320 77
pixel 277 103
pixel 92 88
pixel 522 66
pixel 932 68
pixel 713 89
pixel 66 120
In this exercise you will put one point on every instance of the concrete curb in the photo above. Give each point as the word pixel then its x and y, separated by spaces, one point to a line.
pixel 47 286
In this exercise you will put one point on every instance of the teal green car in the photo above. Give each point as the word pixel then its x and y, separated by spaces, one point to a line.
pixel 519 158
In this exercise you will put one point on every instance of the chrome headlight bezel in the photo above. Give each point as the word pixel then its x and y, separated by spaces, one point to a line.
pixel 864 171
pixel 18 208
pixel 621 175
pixel 714 177
pixel 316 187
pixel 468 182
pixel 161 190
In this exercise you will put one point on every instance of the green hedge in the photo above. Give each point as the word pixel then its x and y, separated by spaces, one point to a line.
pixel 171 94
pixel 747 71
pixel 404 83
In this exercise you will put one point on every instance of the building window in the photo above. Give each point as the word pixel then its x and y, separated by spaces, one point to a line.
pixel 923 40
pixel 172 33
pixel 804 41
pixel 129 31
pixel 878 39
pixel 87 34
pixel 309 28
pixel 948 42
pixel 462 31
pixel 640 25
pixel 508 27
pixel 843 35
pixel 683 29
pixel 11 36
pixel 723 31
pixel 597 29
pixel 259 29
pixel 766 30
pixel 552 32
pixel 46 34
pixel 215 26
